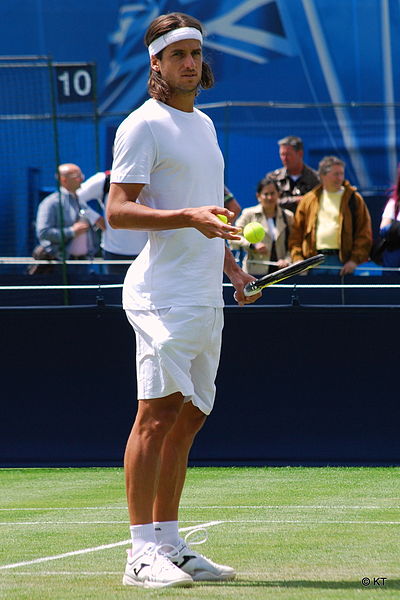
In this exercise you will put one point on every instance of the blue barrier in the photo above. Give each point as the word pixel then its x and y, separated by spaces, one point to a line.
pixel 318 387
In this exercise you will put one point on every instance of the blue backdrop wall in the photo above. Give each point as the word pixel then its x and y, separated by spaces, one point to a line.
pixel 338 55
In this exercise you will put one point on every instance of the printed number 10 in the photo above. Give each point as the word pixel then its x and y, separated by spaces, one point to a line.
pixel 80 80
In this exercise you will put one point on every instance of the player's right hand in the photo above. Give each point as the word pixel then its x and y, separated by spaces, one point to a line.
pixel 205 220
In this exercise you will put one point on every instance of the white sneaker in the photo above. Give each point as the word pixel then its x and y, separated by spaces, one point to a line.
pixel 153 569
pixel 198 566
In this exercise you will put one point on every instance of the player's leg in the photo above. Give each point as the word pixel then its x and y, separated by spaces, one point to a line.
pixel 197 336
pixel 146 565
pixel 158 410
pixel 174 459
pixel 142 461
pixel 162 368
pixel 164 349
pixel 203 372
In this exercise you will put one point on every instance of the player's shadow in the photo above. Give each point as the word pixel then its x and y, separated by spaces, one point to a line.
pixel 389 584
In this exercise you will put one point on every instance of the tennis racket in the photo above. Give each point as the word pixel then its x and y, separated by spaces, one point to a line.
pixel 256 286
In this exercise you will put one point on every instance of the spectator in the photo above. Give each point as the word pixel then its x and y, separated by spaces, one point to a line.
pixel 116 244
pixel 295 178
pixel 390 227
pixel 332 219
pixel 231 204
pixel 68 229
pixel 277 223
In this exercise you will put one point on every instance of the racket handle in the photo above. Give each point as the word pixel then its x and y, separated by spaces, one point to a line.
pixel 251 290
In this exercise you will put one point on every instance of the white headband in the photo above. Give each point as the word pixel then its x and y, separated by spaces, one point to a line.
pixel 176 35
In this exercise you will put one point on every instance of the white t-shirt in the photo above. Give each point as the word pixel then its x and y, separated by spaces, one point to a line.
pixel 388 212
pixel 176 155
pixel 118 241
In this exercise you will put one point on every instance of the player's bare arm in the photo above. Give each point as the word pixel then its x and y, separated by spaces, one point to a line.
pixel 238 279
pixel 123 212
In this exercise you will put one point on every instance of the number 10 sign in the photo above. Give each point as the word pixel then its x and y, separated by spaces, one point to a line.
pixel 75 83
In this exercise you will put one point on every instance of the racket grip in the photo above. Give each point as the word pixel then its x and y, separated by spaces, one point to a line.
pixel 250 289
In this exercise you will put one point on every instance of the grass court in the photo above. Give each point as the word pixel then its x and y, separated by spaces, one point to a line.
pixel 291 533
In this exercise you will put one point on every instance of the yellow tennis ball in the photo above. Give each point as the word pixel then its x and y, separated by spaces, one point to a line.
pixel 223 218
pixel 254 232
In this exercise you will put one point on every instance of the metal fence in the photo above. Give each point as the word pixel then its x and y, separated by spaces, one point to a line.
pixel 49 115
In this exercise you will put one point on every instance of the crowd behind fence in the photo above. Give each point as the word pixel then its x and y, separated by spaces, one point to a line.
pixel 49 115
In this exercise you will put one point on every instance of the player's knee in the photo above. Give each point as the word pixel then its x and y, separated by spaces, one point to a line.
pixel 159 423
pixel 199 421
pixel 195 423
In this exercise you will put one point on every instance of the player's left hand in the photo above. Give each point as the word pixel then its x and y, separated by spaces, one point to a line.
pixel 239 281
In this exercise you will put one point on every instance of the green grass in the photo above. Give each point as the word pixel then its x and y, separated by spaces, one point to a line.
pixel 291 533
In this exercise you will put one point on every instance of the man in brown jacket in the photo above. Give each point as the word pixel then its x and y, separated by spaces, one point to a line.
pixel 332 219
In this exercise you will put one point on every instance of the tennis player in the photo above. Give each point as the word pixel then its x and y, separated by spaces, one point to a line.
pixel 167 178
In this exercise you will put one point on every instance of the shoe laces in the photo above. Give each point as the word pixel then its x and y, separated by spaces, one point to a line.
pixel 166 552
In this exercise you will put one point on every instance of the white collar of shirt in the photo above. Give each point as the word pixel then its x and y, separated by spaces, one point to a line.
pixel 65 191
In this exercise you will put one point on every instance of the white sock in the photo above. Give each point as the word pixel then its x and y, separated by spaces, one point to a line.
pixel 167 532
pixel 141 535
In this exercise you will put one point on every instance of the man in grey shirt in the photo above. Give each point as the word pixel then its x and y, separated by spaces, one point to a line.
pixel 295 178
pixel 60 218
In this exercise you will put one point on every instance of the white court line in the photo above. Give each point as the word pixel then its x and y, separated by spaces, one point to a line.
pixel 66 523
pixel 233 506
pixel 94 573
pixel 238 521
pixel 296 506
pixel 64 573
pixel 96 523
pixel 65 555
pixel 69 508
pixel 94 549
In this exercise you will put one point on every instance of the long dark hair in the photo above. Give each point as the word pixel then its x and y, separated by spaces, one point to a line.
pixel 157 87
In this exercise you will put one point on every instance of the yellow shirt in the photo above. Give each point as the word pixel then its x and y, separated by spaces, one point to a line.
pixel 327 233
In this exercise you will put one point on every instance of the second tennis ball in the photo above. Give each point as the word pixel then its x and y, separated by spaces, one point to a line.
pixel 254 232
pixel 223 218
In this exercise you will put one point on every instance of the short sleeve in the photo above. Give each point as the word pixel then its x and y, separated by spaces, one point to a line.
pixel 134 153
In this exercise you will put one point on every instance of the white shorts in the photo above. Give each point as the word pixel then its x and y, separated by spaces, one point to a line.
pixel 178 350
